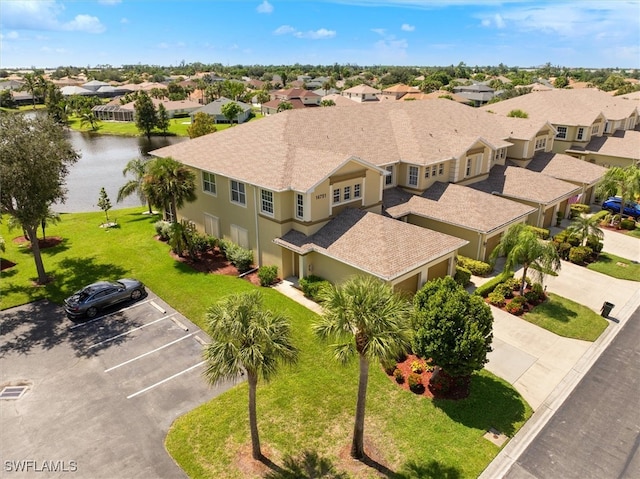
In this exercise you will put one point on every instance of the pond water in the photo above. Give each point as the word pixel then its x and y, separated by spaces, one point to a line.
pixel 102 159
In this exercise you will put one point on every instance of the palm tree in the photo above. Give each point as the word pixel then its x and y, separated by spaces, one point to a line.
pixel 88 116
pixel 521 246
pixel 585 226
pixel 285 105
pixel 365 318
pixel 169 183
pixel 137 167
pixel 620 181
pixel 246 336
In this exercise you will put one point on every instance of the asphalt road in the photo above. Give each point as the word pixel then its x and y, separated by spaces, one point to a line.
pixel 100 395
pixel 596 432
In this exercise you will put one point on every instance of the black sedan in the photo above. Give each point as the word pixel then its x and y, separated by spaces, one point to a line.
pixel 103 294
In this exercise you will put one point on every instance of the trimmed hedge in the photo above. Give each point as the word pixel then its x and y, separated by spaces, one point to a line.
pixel 462 276
pixel 542 233
pixel 490 285
pixel 267 275
pixel 580 254
pixel 477 268
pixel 312 285
pixel 628 224
pixel 579 208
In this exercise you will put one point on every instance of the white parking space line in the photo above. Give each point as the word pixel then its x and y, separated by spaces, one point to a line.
pixel 130 331
pixel 79 325
pixel 148 352
pixel 159 308
pixel 165 380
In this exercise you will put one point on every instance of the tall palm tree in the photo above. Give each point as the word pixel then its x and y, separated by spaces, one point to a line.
pixel 585 226
pixel 521 246
pixel 246 336
pixel 169 183
pixel 365 318
pixel 620 181
pixel 138 168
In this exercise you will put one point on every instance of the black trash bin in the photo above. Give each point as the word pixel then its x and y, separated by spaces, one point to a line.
pixel 606 309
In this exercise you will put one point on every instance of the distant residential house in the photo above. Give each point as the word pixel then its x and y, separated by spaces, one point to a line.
pixel 362 93
pixel 214 109
pixel 94 85
pixel 397 92
pixel 115 112
pixel 298 98
pixel 339 100
pixel 478 93
pixel 76 90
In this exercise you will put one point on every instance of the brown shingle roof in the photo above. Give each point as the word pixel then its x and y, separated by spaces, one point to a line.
pixel 309 140
pixel 373 243
pixel 566 107
pixel 622 144
pixel 524 184
pixel 463 206
pixel 565 167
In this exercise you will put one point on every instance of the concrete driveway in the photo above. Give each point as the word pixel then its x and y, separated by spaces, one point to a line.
pixel 100 396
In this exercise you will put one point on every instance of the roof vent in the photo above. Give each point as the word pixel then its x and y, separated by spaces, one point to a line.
pixel 13 392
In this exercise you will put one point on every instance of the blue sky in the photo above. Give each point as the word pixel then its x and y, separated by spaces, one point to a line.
pixel 51 33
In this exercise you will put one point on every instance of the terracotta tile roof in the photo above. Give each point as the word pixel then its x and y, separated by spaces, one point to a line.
pixel 373 243
pixel 524 184
pixel 463 206
pixel 311 140
pixel 401 88
pixel 295 93
pixel 566 107
pixel 565 167
pixel 296 103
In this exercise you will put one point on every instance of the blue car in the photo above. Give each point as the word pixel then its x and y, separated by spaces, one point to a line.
pixel 613 204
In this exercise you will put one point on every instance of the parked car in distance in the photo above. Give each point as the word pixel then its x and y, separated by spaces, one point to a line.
pixel 613 203
pixel 97 296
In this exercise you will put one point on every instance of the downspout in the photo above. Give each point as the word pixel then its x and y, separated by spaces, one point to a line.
pixel 255 208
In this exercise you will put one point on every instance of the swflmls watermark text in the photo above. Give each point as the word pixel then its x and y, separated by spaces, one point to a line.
pixel 32 465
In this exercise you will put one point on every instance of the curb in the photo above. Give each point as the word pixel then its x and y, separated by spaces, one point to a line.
pixel 508 456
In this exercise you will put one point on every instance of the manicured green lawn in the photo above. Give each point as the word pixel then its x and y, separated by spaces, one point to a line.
pixel 309 406
pixel 616 267
pixel 177 126
pixel 567 318
pixel 635 233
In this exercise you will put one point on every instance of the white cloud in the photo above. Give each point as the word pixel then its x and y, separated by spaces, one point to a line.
pixel 284 29
pixel 407 28
pixel 45 15
pixel 379 31
pixel 11 36
pixel 84 23
pixel 109 2
pixel 124 20
pixel 265 7
pixel 391 49
pixel 320 34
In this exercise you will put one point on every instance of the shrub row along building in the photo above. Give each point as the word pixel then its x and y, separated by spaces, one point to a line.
pixel 395 189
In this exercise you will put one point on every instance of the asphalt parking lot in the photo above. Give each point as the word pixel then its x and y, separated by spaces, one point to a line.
pixel 101 395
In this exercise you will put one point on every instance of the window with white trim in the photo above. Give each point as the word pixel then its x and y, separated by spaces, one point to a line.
pixel 356 190
pixel 468 169
pixel 427 171
pixel 336 195
pixel 580 135
pixel 562 132
pixel 434 170
pixel 595 129
pixel 347 193
pixel 541 143
pixel 299 206
pixel 388 180
pixel 441 169
pixel 238 193
pixel 413 176
pixel 209 182
pixel 266 202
